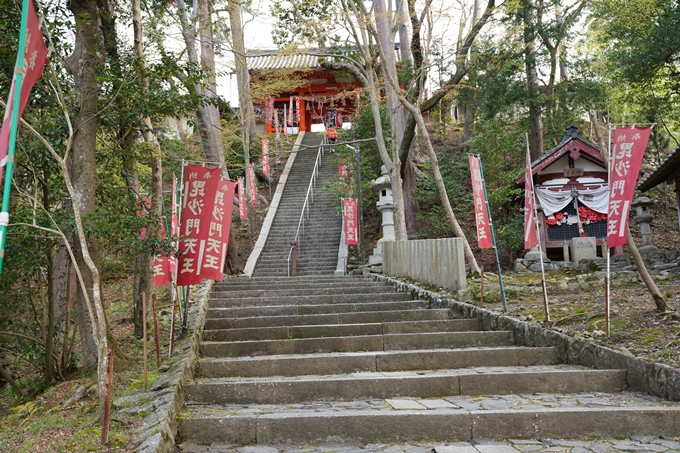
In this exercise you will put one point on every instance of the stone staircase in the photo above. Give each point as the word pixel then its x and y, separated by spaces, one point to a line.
pixel 348 359
pixel 318 248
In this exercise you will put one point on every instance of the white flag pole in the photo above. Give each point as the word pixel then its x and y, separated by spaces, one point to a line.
pixel 538 240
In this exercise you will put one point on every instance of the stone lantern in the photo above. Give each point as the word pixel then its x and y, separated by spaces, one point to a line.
pixel 385 205
pixel 644 218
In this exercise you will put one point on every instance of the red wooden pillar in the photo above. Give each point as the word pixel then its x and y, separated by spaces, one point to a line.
pixel 303 118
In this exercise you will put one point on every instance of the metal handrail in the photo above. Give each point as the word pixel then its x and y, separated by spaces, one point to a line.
pixel 309 198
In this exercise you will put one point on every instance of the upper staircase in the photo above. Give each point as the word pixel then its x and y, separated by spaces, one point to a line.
pixel 318 247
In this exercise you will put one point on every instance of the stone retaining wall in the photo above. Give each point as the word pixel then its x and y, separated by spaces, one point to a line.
pixel 438 262
pixel 642 376
pixel 165 398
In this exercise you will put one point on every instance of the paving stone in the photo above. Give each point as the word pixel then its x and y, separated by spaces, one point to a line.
pixel 257 449
pixel 456 449
pixel 401 405
pixel 496 449
pixel 436 404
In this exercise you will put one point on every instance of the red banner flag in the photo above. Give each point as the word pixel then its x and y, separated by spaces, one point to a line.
pixel 218 238
pixel 165 266
pixel 481 212
pixel 627 151
pixel 242 199
pixel 344 176
pixel 530 238
pixel 252 184
pixel 299 111
pixel 200 186
pixel 350 221
pixel 265 156
pixel 35 57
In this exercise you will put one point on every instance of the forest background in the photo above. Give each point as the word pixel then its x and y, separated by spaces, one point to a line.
pixel 131 92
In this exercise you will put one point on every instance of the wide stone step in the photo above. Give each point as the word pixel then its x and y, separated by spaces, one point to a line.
pixel 357 343
pixel 374 361
pixel 440 419
pixel 330 285
pixel 321 281
pixel 308 299
pixel 422 384
pixel 278 310
pixel 330 318
pixel 337 330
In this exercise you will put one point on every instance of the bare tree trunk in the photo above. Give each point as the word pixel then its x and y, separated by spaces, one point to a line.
pixel 81 64
pixel 211 146
pixel 659 300
pixel 411 205
pixel 81 184
pixel 535 121
pixel 245 101
pixel 146 260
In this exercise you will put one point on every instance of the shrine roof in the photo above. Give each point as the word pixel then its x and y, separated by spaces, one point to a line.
pixel 572 142
pixel 259 60
pixel 663 172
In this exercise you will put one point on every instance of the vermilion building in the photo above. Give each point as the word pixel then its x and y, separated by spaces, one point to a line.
pixel 318 97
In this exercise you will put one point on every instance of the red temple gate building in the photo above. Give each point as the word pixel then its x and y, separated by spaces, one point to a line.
pixel 318 97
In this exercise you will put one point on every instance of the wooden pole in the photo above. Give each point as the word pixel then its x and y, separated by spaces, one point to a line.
pixel 177 300
pixel 108 392
pixel 481 286
pixel 146 367
pixel 157 334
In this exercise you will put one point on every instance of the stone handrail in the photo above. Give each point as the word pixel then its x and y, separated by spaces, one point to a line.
pixel 438 262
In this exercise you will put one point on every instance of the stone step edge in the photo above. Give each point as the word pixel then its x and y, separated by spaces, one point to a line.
pixel 436 424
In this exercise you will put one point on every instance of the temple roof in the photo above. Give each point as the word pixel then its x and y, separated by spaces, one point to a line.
pixel 663 172
pixel 279 59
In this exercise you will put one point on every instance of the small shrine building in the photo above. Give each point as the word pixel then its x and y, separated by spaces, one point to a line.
pixel 316 97
pixel 572 191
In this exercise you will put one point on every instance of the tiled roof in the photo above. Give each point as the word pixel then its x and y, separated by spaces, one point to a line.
pixel 274 59
pixel 669 165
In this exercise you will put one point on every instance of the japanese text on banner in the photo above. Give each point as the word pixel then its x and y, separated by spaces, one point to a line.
pixel 484 239
pixel 350 220
pixel 200 186
pixel 265 156
pixel 242 199
pixel 252 184
pixel 165 265
pixel 627 151
pixel 218 237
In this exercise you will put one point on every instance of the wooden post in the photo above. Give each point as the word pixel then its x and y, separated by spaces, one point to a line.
pixel 108 392
pixel 177 301
pixel 481 286
pixel 146 368
pixel 157 333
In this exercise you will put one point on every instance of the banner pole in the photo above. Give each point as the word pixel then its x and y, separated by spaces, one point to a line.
pixel 175 299
pixel 14 121
pixel 493 235
pixel 538 240
pixel 607 288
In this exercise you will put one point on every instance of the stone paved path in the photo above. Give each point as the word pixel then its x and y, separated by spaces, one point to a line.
pixel 632 444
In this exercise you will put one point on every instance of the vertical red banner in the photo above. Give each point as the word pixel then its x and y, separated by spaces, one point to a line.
pixel 35 57
pixel 200 186
pixel 252 184
pixel 299 110
pixel 218 236
pixel 344 176
pixel 624 167
pixel 530 238
pixel 350 221
pixel 242 199
pixel 481 212
pixel 290 112
pixel 265 156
